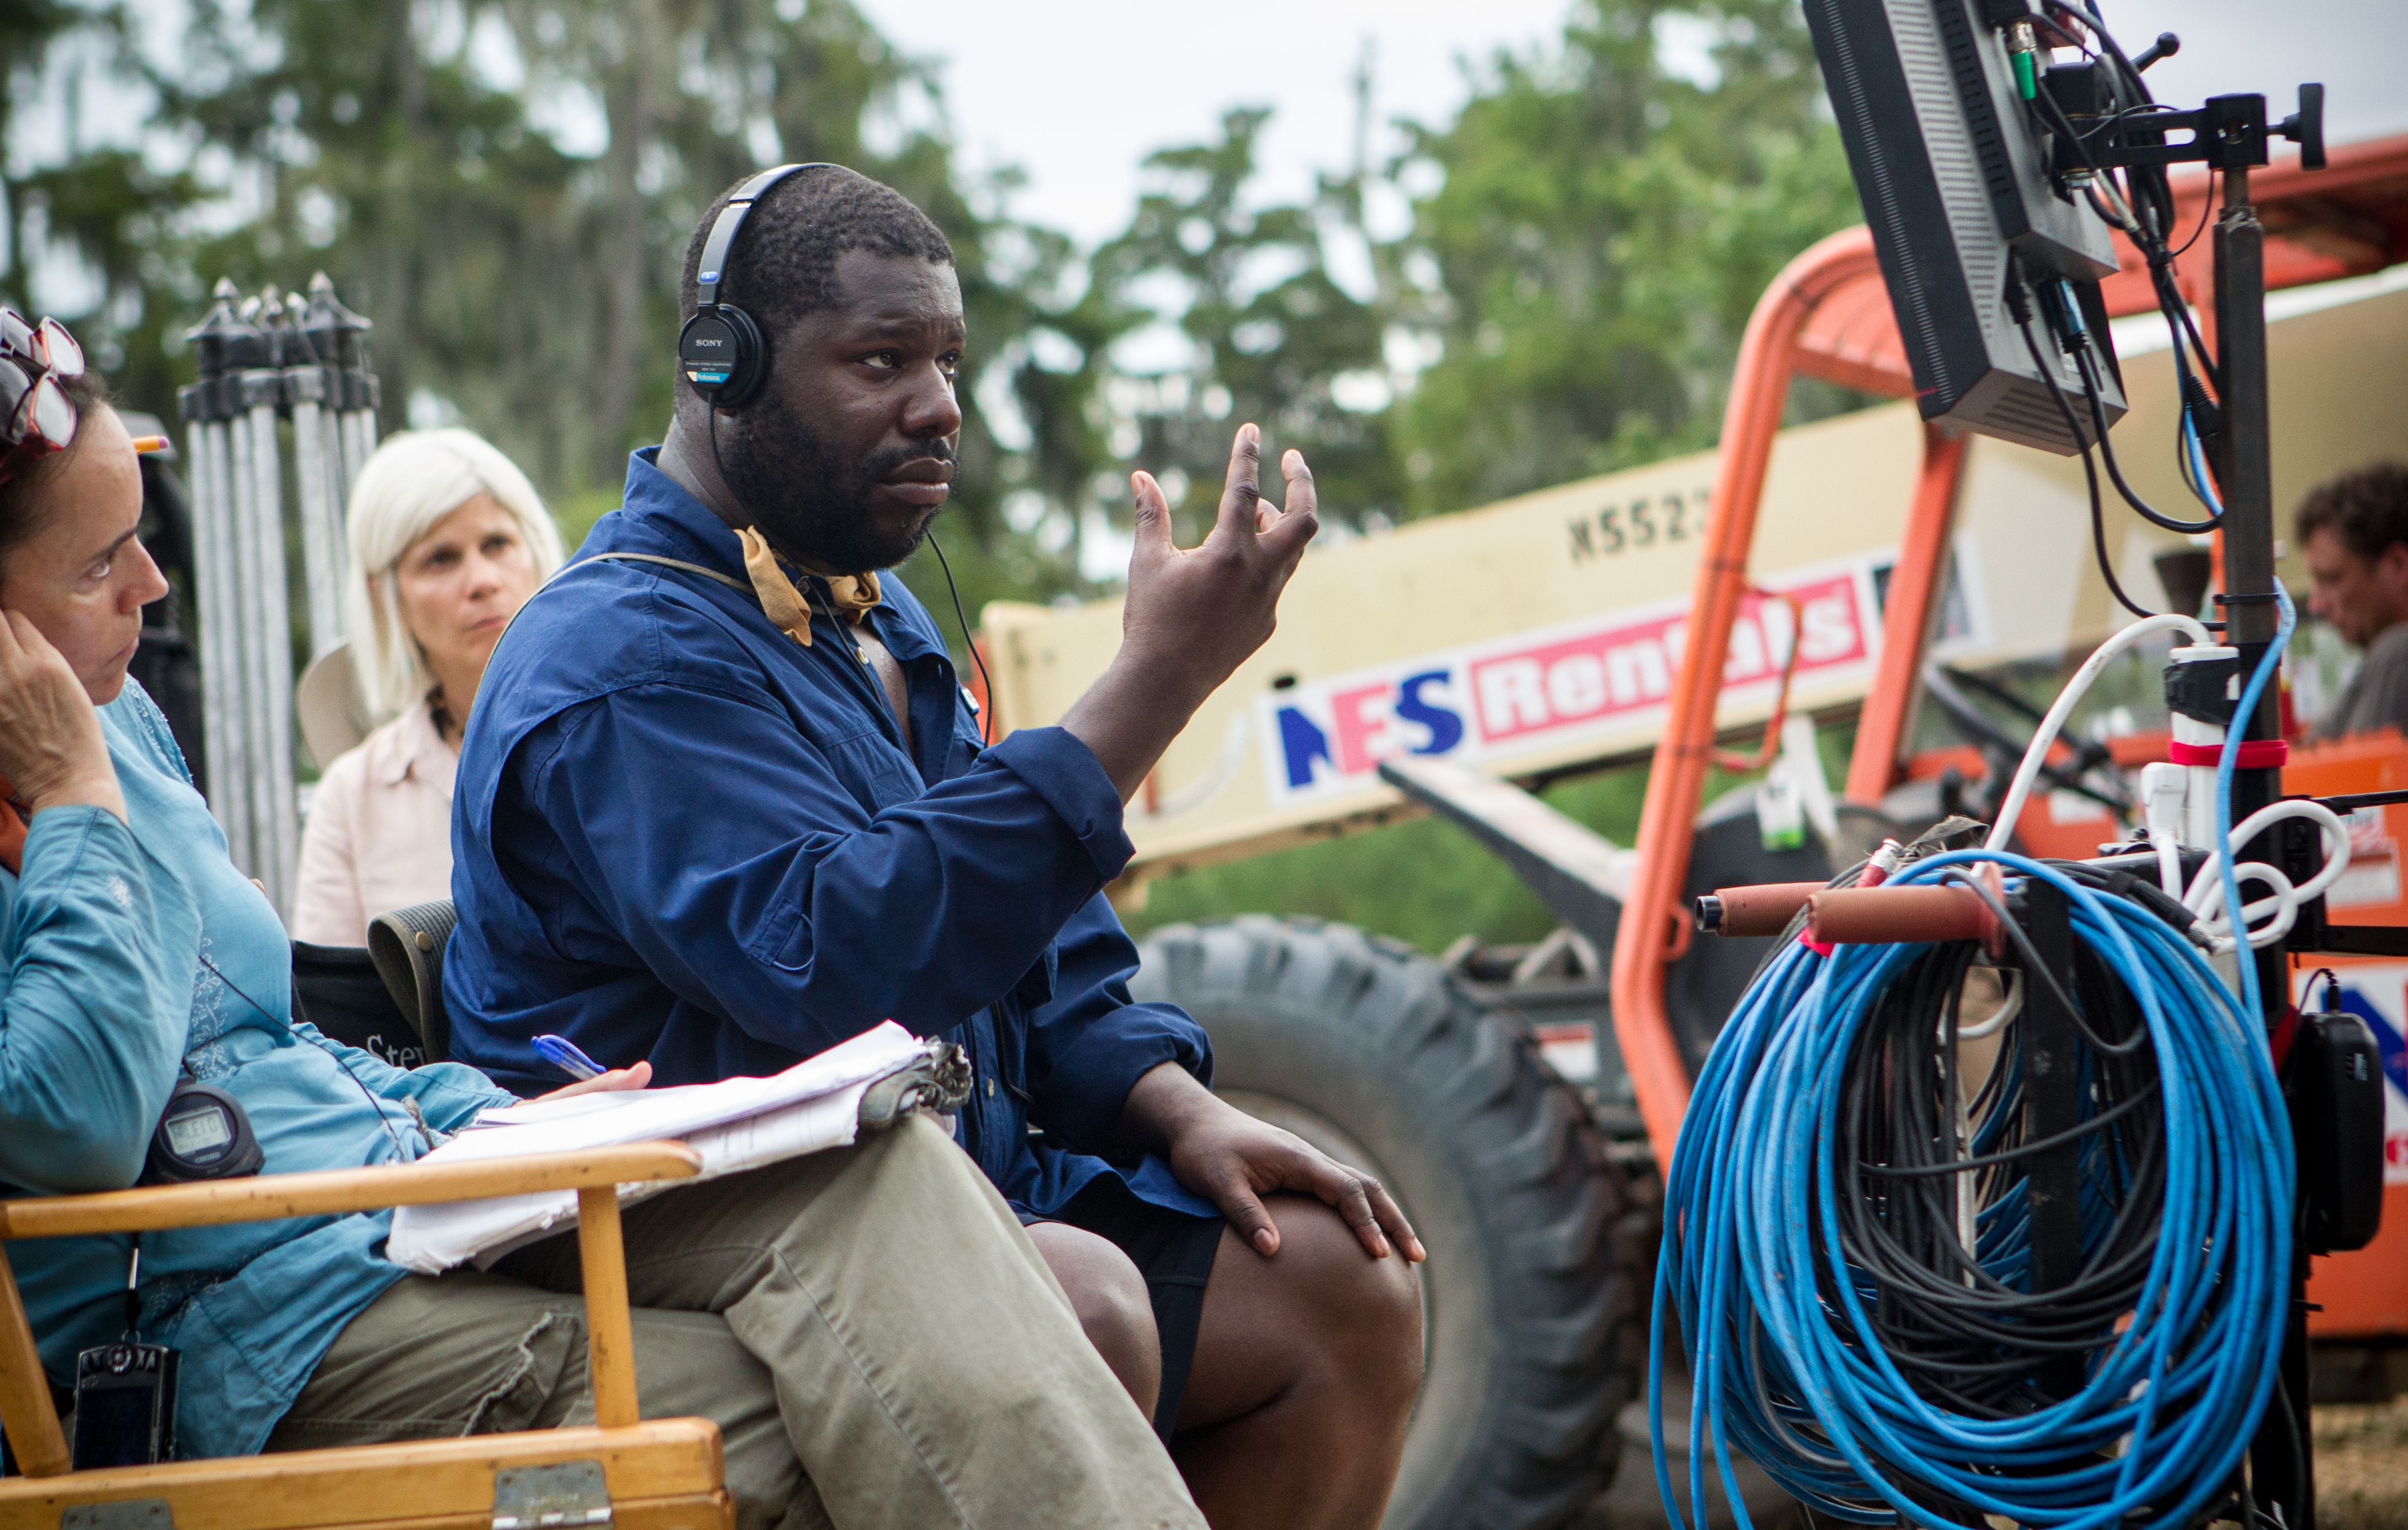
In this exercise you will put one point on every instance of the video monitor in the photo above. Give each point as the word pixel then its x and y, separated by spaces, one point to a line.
pixel 1953 163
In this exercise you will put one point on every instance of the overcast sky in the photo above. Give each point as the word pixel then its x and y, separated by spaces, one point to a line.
pixel 1077 92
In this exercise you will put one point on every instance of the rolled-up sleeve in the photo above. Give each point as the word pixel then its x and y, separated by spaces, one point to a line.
pixel 1066 775
pixel 1090 1043
pixel 99 957
pixel 725 847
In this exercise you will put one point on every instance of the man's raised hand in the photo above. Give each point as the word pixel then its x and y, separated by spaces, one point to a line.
pixel 1207 610
pixel 1193 616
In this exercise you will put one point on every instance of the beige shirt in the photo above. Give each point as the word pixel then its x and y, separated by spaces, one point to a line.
pixel 380 831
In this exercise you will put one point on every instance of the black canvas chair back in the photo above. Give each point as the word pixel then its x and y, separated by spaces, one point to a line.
pixel 407 947
pixel 336 989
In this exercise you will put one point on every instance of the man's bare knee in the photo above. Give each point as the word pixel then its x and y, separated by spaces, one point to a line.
pixel 1108 1297
pixel 1365 1313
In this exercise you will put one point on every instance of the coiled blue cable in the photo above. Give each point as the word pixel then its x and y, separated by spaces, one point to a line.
pixel 1786 1365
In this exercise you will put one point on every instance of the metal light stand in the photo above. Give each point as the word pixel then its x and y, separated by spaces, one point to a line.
pixel 2282 1466
pixel 2052 1086
pixel 264 360
pixel 341 340
pixel 268 674
pixel 2230 134
pixel 313 482
pixel 208 412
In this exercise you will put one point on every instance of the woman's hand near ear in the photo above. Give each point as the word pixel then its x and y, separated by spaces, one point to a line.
pixel 51 749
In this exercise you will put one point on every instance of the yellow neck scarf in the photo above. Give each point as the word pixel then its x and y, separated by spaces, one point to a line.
pixel 852 595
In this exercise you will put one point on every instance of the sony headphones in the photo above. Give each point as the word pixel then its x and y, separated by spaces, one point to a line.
pixel 721 351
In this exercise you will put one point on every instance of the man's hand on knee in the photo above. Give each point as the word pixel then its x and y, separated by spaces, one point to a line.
pixel 1225 1155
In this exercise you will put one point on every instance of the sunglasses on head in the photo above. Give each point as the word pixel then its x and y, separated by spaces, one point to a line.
pixel 35 415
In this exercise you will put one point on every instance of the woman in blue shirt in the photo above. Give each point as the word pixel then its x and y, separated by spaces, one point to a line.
pixel 790 1304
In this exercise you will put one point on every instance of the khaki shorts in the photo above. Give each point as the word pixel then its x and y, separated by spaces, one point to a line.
pixel 878 1340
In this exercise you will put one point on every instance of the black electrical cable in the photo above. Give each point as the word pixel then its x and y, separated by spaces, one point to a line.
pixel 2206 214
pixel 2153 247
pixel 1965 1338
pixel 2033 964
pixel 2106 40
pixel 2022 314
pixel 2086 363
pixel 2120 117
pixel 2054 1139
pixel 2170 302
pixel 2148 194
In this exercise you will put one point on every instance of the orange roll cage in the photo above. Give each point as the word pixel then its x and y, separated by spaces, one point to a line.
pixel 1827 315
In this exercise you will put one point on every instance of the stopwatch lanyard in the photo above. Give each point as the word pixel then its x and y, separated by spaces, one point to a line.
pixel 133 1293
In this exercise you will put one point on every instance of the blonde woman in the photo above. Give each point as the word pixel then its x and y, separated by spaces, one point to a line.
pixel 448 540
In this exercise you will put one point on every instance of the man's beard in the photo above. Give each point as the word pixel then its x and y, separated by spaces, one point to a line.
pixel 810 506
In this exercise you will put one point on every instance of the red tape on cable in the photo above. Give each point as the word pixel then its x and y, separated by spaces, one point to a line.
pixel 2255 754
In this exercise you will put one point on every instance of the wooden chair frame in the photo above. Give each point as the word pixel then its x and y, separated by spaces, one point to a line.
pixel 429 1484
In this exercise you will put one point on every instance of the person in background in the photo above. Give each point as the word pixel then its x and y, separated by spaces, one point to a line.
pixel 448 540
pixel 2353 532
pixel 879 1342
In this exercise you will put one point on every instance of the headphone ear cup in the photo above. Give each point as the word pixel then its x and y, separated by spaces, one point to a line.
pixel 707 348
pixel 751 367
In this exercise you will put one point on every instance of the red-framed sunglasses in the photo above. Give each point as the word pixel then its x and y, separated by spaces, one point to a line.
pixel 35 415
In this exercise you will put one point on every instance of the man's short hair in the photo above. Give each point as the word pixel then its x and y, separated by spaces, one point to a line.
pixel 2366 508
pixel 784 261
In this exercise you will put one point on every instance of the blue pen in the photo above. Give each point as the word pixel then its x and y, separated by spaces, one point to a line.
pixel 563 1053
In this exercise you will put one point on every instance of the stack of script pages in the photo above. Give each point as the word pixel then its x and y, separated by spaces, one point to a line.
pixel 735 1124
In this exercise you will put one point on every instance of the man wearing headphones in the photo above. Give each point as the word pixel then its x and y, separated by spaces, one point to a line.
pixel 724 804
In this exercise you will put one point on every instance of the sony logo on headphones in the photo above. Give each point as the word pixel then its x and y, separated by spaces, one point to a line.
pixel 701 340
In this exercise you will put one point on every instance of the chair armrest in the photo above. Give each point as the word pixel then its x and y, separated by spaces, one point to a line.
pixel 332 1191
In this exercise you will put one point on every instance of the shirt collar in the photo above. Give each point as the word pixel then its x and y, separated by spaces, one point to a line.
pixel 660 516
pixel 411 742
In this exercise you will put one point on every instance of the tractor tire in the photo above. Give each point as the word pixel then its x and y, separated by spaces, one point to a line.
pixel 1533 1289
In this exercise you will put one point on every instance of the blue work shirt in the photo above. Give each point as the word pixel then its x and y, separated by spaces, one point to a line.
pixel 127 949
pixel 679 834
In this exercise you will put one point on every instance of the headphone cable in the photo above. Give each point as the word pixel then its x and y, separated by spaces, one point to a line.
pixel 967 641
pixel 986 680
